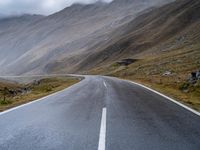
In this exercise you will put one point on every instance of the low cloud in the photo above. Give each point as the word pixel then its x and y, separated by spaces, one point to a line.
pixel 45 7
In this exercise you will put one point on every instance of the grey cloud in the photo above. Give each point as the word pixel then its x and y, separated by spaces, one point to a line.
pixel 45 7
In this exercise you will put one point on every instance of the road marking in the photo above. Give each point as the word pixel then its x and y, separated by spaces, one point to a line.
pixel 102 134
pixel 158 93
pixel 172 100
pixel 105 84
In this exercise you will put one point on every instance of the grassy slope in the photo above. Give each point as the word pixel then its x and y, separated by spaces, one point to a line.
pixel 173 37
pixel 47 86
pixel 150 70
pixel 153 32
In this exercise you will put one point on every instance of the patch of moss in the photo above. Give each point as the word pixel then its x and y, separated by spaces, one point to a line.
pixel 115 65
pixel 184 86
pixel 5 102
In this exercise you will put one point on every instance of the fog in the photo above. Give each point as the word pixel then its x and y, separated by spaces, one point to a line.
pixel 44 7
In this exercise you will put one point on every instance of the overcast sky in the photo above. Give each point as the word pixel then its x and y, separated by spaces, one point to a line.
pixel 45 7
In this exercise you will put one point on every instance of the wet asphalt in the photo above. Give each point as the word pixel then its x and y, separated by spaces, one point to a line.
pixel 137 119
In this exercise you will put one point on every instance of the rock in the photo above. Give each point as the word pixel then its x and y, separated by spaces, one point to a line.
pixel 195 76
pixel 35 82
pixel 180 39
pixel 198 75
pixel 126 62
pixel 167 73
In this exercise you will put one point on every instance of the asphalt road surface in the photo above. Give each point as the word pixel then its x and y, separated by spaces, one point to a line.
pixel 100 113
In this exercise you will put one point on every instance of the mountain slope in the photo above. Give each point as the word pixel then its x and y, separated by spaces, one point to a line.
pixel 165 46
pixel 64 38
pixel 166 28
pixel 12 45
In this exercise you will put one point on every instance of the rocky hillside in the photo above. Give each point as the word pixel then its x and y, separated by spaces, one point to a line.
pixel 61 42
pixel 164 48
pixel 151 34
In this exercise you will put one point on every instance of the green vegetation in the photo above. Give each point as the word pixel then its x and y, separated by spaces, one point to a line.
pixel 115 65
pixel 5 102
pixel 13 94
pixel 184 86
pixel 4 94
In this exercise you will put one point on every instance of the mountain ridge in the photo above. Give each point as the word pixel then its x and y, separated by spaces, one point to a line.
pixel 55 38
pixel 154 29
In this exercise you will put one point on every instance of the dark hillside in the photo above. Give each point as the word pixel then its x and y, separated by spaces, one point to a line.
pixel 173 25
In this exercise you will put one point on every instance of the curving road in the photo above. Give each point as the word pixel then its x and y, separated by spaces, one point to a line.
pixel 100 113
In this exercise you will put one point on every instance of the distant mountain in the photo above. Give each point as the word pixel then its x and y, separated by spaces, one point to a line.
pixel 68 40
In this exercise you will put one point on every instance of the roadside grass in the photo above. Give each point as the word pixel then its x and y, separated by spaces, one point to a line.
pixel 5 102
pixel 189 97
pixel 24 93
pixel 150 70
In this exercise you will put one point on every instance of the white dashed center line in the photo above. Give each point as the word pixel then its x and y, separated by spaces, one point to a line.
pixel 105 84
pixel 102 134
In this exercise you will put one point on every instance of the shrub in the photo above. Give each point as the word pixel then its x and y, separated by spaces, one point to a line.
pixel 5 102
pixel 184 86
pixel 48 88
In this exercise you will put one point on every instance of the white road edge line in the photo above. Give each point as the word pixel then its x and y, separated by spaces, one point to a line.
pixel 105 84
pixel 102 134
pixel 172 100
pixel 35 101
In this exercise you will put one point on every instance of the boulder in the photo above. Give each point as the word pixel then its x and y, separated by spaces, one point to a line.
pixel 126 62
pixel 195 76
pixel 167 73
